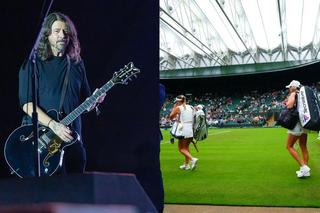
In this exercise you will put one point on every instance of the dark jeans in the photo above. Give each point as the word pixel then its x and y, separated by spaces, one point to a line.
pixel 74 159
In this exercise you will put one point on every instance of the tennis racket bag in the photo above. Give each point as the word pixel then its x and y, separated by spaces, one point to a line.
pixel 308 108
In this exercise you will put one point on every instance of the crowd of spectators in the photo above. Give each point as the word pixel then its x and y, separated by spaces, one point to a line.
pixel 253 108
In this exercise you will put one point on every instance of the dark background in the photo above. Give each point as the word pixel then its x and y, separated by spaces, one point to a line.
pixel 124 138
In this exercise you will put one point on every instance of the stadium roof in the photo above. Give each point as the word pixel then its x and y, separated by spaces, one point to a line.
pixel 209 33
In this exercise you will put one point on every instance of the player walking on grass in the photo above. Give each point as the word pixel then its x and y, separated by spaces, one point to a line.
pixel 184 113
pixel 298 132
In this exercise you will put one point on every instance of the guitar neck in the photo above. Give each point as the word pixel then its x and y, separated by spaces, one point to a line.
pixel 86 104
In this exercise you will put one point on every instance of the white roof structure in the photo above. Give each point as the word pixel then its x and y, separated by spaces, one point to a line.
pixel 207 33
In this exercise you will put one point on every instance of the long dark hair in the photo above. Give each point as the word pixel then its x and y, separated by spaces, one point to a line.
pixel 73 49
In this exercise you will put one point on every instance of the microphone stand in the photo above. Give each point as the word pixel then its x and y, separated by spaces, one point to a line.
pixel 32 58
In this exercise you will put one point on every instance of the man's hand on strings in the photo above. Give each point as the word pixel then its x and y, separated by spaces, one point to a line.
pixel 63 132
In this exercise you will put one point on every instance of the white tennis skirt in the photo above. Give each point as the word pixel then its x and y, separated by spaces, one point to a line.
pixel 187 130
pixel 298 130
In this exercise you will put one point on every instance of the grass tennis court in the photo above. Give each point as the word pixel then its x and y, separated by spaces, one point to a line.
pixel 248 166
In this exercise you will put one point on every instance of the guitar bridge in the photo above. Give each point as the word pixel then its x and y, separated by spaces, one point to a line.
pixel 53 148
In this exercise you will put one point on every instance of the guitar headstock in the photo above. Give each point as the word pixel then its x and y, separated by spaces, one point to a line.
pixel 126 73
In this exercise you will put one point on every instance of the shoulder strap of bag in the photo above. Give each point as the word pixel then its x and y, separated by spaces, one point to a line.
pixel 177 121
pixel 65 84
pixel 295 106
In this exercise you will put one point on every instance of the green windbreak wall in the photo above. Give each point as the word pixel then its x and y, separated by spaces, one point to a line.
pixel 244 69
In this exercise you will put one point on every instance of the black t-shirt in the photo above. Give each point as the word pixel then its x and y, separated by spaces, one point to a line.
pixel 51 75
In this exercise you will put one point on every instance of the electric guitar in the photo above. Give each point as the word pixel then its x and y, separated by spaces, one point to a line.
pixel 18 149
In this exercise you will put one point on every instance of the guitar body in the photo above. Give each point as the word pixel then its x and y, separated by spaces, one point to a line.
pixel 19 150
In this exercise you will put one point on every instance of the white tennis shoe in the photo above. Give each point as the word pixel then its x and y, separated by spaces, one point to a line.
pixel 185 167
pixel 194 163
pixel 304 171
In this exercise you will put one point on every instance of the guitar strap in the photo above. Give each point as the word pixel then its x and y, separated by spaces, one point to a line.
pixel 64 88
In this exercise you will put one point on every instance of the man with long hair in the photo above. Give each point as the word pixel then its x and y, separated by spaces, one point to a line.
pixel 58 62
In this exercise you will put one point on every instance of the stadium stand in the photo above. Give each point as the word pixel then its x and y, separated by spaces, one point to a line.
pixel 240 110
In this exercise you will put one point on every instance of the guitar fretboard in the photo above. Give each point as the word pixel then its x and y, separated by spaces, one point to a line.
pixel 86 104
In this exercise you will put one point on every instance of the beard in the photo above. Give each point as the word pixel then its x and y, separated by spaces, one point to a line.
pixel 60 46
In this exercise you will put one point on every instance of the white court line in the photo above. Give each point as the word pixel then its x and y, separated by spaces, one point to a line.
pixel 164 142
pixel 216 133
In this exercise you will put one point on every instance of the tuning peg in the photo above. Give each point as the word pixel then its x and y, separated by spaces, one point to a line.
pixel 130 79
pixel 135 76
